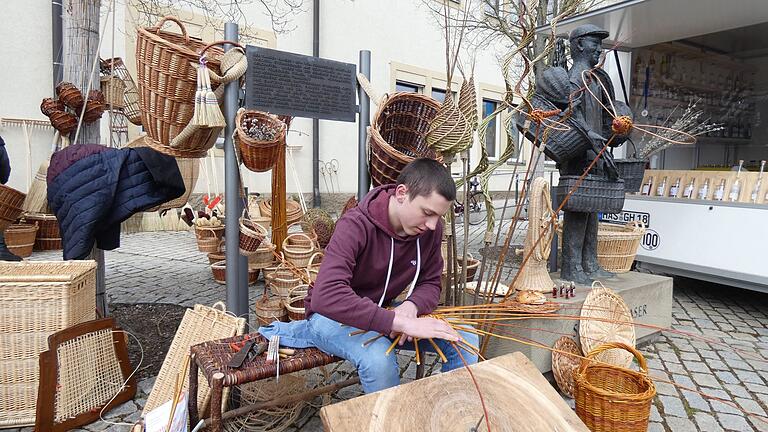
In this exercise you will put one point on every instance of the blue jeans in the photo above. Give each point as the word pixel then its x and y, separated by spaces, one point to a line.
pixel 377 371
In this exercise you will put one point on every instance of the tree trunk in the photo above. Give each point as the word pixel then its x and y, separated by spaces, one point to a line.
pixel 80 49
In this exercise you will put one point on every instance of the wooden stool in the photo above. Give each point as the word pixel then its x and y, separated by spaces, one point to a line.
pixel 212 357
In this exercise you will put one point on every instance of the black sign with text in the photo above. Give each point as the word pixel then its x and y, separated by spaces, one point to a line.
pixel 300 86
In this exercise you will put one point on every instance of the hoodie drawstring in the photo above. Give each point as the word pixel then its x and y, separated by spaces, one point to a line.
pixel 389 269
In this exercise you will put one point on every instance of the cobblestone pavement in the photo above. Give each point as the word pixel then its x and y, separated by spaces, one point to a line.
pixel 165 267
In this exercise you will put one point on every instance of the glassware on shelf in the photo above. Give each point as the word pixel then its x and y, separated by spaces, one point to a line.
pixel 704 191
pixel 736 188
pixel 688 192
pixel 756 190
pixel 674 189
pixel 720 191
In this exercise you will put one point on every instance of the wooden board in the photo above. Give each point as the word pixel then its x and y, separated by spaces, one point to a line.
pixel 516 394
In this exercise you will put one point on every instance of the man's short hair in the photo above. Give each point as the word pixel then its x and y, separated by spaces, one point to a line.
pixel 424 176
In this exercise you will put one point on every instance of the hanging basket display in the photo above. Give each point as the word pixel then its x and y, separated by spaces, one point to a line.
pixel 260 137
pixel 167 81
pixel 113 89
pixel 70 95
pixel 130 104
pixel 251 236
pixel 397 135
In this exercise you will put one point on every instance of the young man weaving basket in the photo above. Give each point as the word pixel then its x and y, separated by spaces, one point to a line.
pixel 390 243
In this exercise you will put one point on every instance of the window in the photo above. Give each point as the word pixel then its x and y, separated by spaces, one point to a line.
pixel 438 94
pixel 403 86
pixel 493 133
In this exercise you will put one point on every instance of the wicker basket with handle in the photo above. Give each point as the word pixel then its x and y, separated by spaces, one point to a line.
pixel 167 80
pixel 11 202
pixel 259 156
pixel 298 249
pixel 295 302
pixel 612 398
pixel 617 245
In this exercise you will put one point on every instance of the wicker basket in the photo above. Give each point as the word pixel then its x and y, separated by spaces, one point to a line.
pixel 94 106
pixel 594 194
pixel 39 298
pixel 130 94
pixel 200 324
pixel 209 238
pixel 167 79
pixel 610 398
pixel 219 271
pixel 397 135
pixel 632 172
pixel 294 304
pixel 11 202
pixel 70 95
pixel 259 156
pixel 251 236
pixel 113 89
pixel 311 241
pixel 270 309
pixel 263 257
pixel 48 224
pixel 63 121
pixel 472 265
pixel 48 106
pixel 214 257
pixel 617 245
pixel 298 249
pixel 293 212
pixel 20 239
pixel 281 282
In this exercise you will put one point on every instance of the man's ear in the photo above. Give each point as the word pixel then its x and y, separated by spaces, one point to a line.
pixel 401 193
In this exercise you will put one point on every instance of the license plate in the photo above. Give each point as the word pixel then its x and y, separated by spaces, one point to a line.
pixel 626 216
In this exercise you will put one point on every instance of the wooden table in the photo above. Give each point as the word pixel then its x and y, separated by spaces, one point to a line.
pixel 516 395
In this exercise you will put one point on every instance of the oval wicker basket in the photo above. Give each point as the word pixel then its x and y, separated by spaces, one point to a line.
pixel 611 398
pixel 48 106
pixel 270 309
pixel 251 236
pixel 11 202
pixel 214 257
pixel 259 156
pixel 219 271
pixel 263 257
pixel 397 135
pixel 294 304
pixel 70 95
pixel 281 283
pixel 617 245
pixel 167 81
pixel 311 241
pixel 20 239
pixel 298 249
pixel 209 244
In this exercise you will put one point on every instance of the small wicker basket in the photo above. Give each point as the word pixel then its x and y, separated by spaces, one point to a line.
pixel 11 202
pixel 611 398
pixel 270 309
pixel 219 271
pixel 20 239
pixel 298 249
pixel 617 245
pixel 251 236
pixel 113 89
pixel 295 302
pixel 281 282
pixel 259 156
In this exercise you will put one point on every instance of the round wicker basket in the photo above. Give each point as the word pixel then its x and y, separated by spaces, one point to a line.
pixel 565 365
pixel 20 239
pixel 270 309
pixel 617 245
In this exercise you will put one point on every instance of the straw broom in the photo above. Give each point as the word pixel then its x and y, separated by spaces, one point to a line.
pixel 36 200
pixel 213 115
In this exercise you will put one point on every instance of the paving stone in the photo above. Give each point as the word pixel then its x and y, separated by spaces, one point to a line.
pixel 750 377
pixel 717 393
pixel 695 400
pixel 688 356
pixel 655 415
pixel 675 368
pixel 707 380
pixel 707 353
pixel 666 389
pixel 145 385
pixel 669 357
pixel 738 390
pixel 655 427
pixel 756 388
pixel 721 407
pixel 673 407
pixel 683 380
pixel 727 377
pixel 717 365
pixel 680 424
pixel 695 366
pixel 706 422
pixel 121 410
pixel 733 422
pixel 750 406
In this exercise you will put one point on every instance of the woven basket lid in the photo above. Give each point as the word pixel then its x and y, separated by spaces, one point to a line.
pixel 564 366
pixel 606 318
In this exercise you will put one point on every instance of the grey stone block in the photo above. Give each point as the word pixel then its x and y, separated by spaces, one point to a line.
pixel 733 422
pixel 680 424
pixel 706 422
pixel 695 400
pixel 707 380
pixel 673 407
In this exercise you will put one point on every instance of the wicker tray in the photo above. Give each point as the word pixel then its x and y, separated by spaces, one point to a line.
pixel 606 318
pixel 545 308
pixel 38 298
pixel 200 324
pixel 564 366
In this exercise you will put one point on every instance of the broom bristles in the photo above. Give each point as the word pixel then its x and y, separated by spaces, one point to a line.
pixel 198 117
pixel 36 200
pixel 214 117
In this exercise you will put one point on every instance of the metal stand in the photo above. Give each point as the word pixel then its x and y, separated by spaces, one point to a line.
pixel 237 265
pixel 364 120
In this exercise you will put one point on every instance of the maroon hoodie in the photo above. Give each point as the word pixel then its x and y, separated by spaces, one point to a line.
pixel 354 269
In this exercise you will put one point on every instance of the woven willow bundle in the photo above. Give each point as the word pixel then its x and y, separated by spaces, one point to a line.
pixel 468 102
pixel 449 132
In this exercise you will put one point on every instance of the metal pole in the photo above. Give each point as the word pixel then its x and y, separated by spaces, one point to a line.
pixel 57 35
pixel 363 180
pixel 316 122
pixel 237 265
pixel 555 205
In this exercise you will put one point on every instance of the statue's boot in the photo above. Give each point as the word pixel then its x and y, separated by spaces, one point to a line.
pixel 589 251
pixel 573 240
pixel 5 254
pixel 575 275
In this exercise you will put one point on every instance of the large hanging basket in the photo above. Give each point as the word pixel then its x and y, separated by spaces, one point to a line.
pixel 594 194
pixel 298 249
pixel 260 137
pixel 617 245
pixel 397 135
pixel 11 202
pixel 251 236
pixel 20 239
pixel 611 398
pixel 167 81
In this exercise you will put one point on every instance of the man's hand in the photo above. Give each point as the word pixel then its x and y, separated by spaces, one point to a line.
pixel 424 328
pixel 406 309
